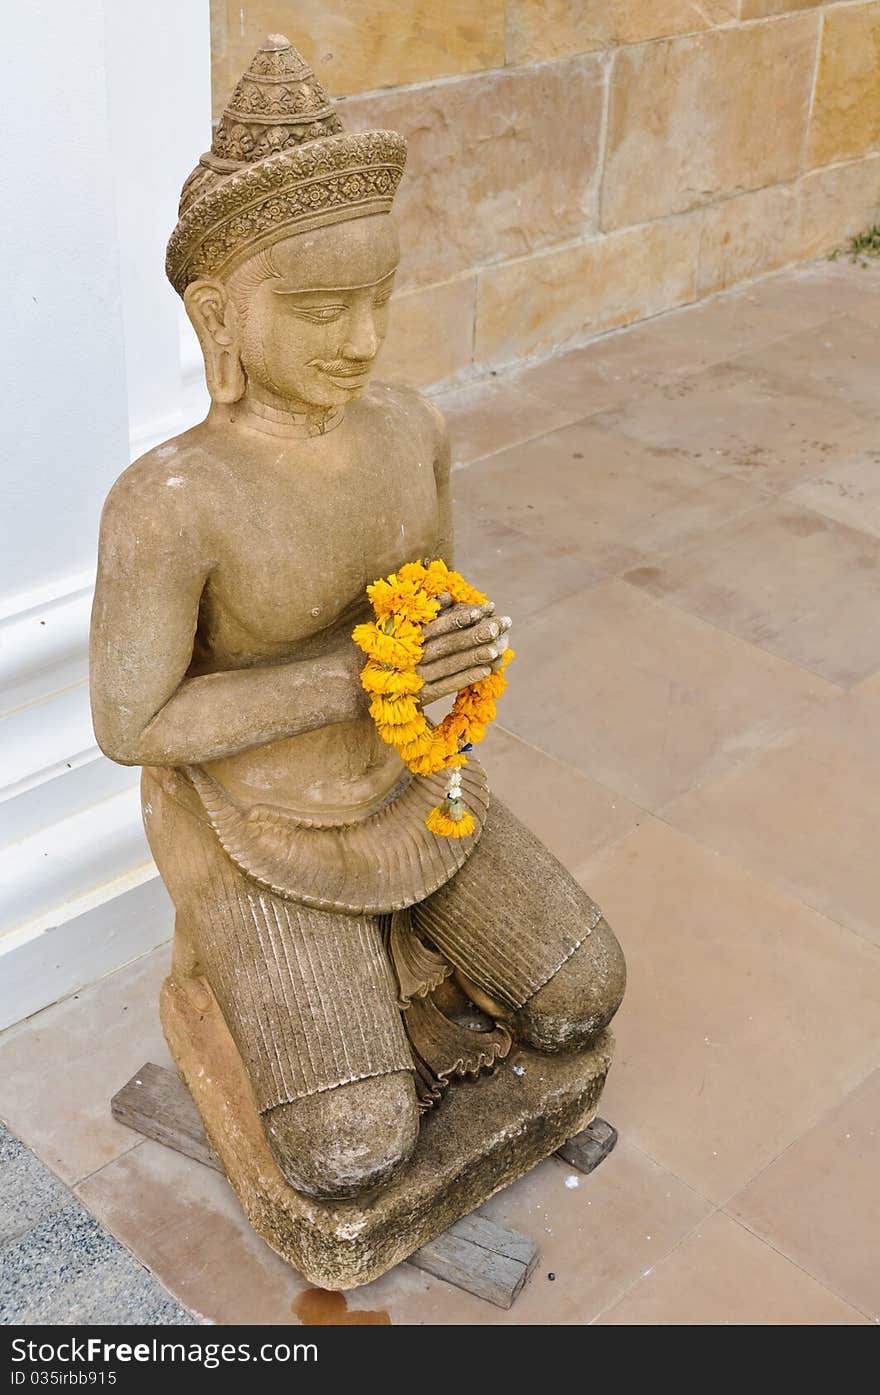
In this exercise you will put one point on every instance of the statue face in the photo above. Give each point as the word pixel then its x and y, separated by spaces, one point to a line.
pixel 312 324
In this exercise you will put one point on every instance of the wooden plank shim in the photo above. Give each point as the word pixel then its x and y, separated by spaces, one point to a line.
pixel 156 1103
pixel 483 1258
pixel 590 1147
pixel 474 1254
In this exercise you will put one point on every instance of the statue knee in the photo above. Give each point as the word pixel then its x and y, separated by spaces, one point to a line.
pixel 348 1139
pixel 579 1000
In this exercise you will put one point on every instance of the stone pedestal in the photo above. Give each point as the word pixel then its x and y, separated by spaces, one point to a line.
pixel 484 1135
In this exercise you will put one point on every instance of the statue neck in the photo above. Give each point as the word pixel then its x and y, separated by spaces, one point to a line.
pixel 278 419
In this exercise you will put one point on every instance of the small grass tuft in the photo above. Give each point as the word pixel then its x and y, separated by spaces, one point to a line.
pixel 861 248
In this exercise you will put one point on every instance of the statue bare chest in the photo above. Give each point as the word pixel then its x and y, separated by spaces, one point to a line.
pixel 299 545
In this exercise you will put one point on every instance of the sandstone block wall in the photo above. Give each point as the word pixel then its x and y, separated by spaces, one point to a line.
pixel 576 165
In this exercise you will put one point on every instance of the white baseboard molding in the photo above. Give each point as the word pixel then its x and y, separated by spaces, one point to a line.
pixel 67 957
pixel 72 864
pixel 44 641
pixel 43 738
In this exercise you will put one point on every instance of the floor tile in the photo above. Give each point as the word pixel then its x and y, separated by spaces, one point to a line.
pixel 819 1202
pixel 183 1221
pixel 596 1234
pixel 68 1270
pixel 488 416
pixel 570 813
pixel 644 698
pixel 525 575
pixel 857 292
pixel 746 422
pixel 724 1277
pixel 59 1070
pixel 812 292
pixel 805 812
pixel 605 372
pixel 793 581
pixel 743 320
pixel 849 492
pixel 592 493
pixel 746 1014
pixel 835 360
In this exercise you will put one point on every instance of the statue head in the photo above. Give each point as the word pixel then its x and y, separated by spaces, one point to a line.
pixel 285 249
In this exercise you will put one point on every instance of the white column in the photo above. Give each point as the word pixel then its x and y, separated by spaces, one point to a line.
pixel 107 108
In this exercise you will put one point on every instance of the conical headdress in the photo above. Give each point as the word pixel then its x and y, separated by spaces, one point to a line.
pixel 280 163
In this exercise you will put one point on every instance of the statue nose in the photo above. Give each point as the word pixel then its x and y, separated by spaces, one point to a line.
pixel 362 341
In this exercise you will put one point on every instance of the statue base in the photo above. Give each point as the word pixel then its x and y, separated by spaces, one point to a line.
pixel 485 1134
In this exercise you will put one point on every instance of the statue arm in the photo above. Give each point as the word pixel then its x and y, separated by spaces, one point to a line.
pixel 145 710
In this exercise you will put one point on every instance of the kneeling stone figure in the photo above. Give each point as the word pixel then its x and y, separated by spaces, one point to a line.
pixel 343 942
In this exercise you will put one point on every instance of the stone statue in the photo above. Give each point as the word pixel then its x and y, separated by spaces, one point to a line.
pixel 332 957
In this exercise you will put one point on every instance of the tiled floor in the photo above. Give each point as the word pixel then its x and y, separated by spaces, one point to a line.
pixel 684 520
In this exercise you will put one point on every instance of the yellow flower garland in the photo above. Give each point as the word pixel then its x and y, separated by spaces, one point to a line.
pixel 393 643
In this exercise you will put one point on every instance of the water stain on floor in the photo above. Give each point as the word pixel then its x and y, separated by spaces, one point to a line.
pixel 318 1307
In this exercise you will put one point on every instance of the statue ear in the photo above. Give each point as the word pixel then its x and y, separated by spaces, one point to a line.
pixel 212 312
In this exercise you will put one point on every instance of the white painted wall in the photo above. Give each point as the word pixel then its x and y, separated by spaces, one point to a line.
pixel 159 96
pixel 64 418
pixel 106 110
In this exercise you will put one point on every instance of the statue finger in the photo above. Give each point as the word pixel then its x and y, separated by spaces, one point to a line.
pixel 486 632
pixel 443 688
pixel 456 663
pixel 457 617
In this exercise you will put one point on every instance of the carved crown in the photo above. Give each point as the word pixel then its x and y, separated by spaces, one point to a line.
pixel 279 163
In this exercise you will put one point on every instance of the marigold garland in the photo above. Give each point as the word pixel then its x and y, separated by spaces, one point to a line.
pixel 402 603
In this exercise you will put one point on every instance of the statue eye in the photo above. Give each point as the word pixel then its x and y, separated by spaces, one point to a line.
pixel 321 314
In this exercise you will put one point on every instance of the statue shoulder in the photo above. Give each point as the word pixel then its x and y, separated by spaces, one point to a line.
pixel 416 412
pixel 163 488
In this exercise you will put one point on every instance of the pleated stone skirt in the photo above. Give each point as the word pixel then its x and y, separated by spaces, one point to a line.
pixel 309 993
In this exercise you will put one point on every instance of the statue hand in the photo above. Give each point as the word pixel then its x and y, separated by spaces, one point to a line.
pixel 464 644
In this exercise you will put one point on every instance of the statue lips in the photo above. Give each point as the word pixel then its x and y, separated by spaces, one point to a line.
pixel 347 368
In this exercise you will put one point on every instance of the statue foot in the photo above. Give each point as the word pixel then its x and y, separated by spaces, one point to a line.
pixel 343 1141
pixel 581 998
